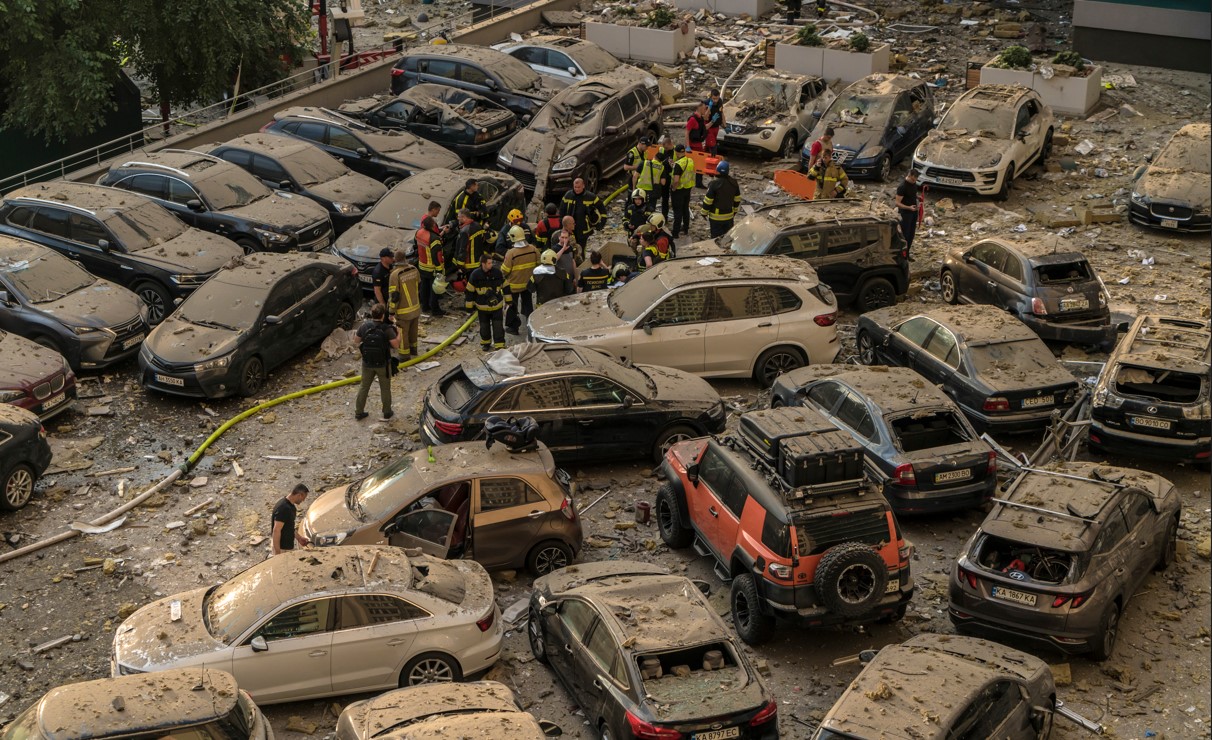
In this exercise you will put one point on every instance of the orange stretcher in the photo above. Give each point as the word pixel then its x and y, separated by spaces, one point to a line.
pixel 795 183
pixel 704 163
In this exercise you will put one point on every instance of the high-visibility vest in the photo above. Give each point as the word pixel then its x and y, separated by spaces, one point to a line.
pixel 686 181
pixel 403 292
pixel 651 174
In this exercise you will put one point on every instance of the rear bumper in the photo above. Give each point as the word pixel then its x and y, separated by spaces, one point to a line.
pixel 780 601
pixel 1012 627
pixel 1087 332
pixel 1016 422
pixel 906 500
pixel 1133 444
pixel 484 655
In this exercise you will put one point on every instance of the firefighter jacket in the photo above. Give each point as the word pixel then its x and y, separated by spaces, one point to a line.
pixel 485 289
pixel 594 278
pixel 429 245
pixel 402 292
pixel 723 198
pixel 473 202
pixel 544 229
pixel 832 181
pixel 637 216
pixel 585 209
pixel 660 249
pixel 519 265
pixel 473 240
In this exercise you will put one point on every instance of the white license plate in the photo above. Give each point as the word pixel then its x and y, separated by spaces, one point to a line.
pixel 723 734
pixel 54 401
pixel 1074 304
pixel 132 341
pixel 949 181
pixel 166 380
pixel 366 278
pixel 1037 401
pixel 951 475
pixel 893 586
pixel 732 140
pixel 1147 421
pixel 1009 594
pixel 1169 223
pixel 498 131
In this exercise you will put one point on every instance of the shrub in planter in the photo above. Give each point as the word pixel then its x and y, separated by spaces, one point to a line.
pixel 807 36
pixel 1071 59
pixel 1014 57
pixel 660 18
pixel 860 43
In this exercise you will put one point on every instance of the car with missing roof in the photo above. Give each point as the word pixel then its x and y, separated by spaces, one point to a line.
pixel 1058 294
pixel 990 135
pixel 1001 375
pixel 855 247
pixel 773 112
pixel 1152 398
pixel 1174 191
pixel 377 617
pixel 186 702
pixel 1061 554
pixel 587 405
pixel 645 655
pixel 443 710
pixel 217 196
pixel 24 455
pixel 918 447
pixel 484 71
pixel 562 59
pixel 34 377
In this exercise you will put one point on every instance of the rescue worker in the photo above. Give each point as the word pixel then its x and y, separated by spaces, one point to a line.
pixel 472 243
pixel 405 304
pixel 652 180
pixel 822 8
pixel 381 275
pixel 504 239
pixel 486 295
pixel 656 249
pixel 821 147
pixel 715 121
pixel 696 129
pixel 832 181
pixel 520 261
pixel 550 224
pixel 597 277
pixel 722 200
pixel 635 214
pixel 469 199
pixel 682 183
pixel 585 208
pixel 665 153
pixel 907 207
pixel 793 11
pixel 635 158
pixel 428 241
pixel 547 285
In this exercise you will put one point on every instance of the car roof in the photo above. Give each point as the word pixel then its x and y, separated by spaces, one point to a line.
pixel 564 43
pixel 271 144
pixel 655 611
pixel 1039 252
pixel 444 184
pixel 778 74
pixel 416 703
pixel 883 84
pixel 15 415
pixel 974 324
pixel 323 570
pixel 537 358
pixel 326 115
pixel 1167 343
pixel 442 462
pixel 189 164
pixel 265 269
pixel 140 703
pixel 990 97
pixel 894 389
pixel 678 273
pixel 79 195
pixel 806 213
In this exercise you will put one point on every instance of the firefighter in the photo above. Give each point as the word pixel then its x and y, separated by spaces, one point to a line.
pixel 520 261
pixel 550 224
pixel 722 200
pixel 597 277
pixel 504 238
pixel 428 241
pixel 584 206
pixel 832 181
pixel 656 243
pixel 486 295
pixel 635 214
pixel 469 199
pixel 652 179
pixel 405 304
pixel 682 184
pixel 472 243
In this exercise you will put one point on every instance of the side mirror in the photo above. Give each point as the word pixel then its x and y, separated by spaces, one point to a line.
pixel 286 185
pixel 194 205
pixel 103 245
pixel 1020 135
pixel 611 130
pixel 258 644
pixel 816 114
pixel 648 326
pixel 491 84
pixel 628 402
pixel 692 473
pixel 4 299
pixel 573 71
pixel 969 259
pixel 549 609
pixel 273 320
pixel 550 729
pixel 866 656
pixel 703 586
pixel 362 152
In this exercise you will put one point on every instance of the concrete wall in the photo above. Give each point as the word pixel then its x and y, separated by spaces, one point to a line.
pixel 1070 96
pixel 521 20
pixel 1173 34
pixel 831 64
pixel 751 8
pixel 641 44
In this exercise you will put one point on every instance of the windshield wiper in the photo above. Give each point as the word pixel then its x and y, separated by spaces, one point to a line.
pixel 351 499
pixel 210 324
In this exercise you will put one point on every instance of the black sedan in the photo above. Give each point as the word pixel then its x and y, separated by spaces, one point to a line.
pixel 588 406
pixel 24 456
pixel 245 321
pixel 917 444
pixel 1173 192
pixel 1002 376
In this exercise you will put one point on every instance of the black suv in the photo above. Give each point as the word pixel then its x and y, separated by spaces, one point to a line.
pixel 857 251
pixel 24 455
pixel 118 236
pixel 218 196
pixel 488 72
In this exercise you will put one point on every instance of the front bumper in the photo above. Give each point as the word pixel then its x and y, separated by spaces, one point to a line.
pixel 749 144
pixel 187 382
pixel 1155 216
pixel 1103 438
pixel 905 500
pixel 1091 331
pixel 100 349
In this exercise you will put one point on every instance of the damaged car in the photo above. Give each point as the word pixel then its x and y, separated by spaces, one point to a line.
pixel 1151 398
pixel 34 377
pixel 483 71
pixel 562 59
pixel 989 136
pixel 24 455
pixel 1001 375
pixel 485 709
pixel 1058 559
pixel 644 655
pixel 1174 192
pixel 773 113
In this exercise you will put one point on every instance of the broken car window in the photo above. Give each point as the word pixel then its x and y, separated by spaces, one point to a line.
pixel 1064 272
pixel 370 499
pixel 978 117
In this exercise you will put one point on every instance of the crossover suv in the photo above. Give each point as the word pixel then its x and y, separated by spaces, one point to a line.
pixel 1151 398
pixel 34 377
pixel 585 131
pixel 218 196
pixel 24 455
pixel 773 113
pixel 463 500
pixel 1061 554
pixel 645 655
pixel 564 59
pixel 484 709
pixel 483 71
pixel 118 236
pixel 856 249
pixel 989 136
pixel 1057 294
pixel 733 317
pixel 1174 193
pixel 786 513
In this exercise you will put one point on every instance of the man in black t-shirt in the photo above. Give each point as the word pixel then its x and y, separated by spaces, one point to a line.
pixel 906 205
pixel 382 275
pixel 597 277
pixel 283 521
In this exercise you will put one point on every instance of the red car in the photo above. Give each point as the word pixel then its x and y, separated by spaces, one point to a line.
pixel 34 377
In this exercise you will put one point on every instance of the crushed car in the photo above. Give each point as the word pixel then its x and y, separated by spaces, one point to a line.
pixel 1174 192
pixel 773 112
pixel 24 455
pixel 485 709
pixel 484 71
pixel 35 377
pixel 561 59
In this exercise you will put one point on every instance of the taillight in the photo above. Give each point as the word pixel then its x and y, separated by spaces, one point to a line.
pixel 780 571
pixel 1038 308
pixel 904 475
pixel 826 319
pixel 967 577
pixel 446 427
pixel 396 71
pixel 991 464
pixel 767 713
pixel 647 731
pixel 1073 601
pixel 996 403
pixel 486 623
pixel 905 552
pixel 42 431
pixel 568 510
pixel 266 127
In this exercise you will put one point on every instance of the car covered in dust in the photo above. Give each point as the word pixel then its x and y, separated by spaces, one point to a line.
pixel 990 135
pixel 438 711
pixel 645 655
pixel 481 70
pixel 379 619
pixel 1001 375
pixel 562 59
pixel 24 455
pixel 1061 554
pixel 1174 192
pixel 179 703
pixel 34 377
pixel 773 112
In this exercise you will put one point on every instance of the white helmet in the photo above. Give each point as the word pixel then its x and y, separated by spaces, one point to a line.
pixel 657 220
pixel 517 234
pixel 638 193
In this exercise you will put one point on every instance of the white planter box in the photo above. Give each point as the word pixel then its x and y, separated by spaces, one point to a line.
pixel 751 8
pixel 642 44
pixel 831 64
pixel 1071 96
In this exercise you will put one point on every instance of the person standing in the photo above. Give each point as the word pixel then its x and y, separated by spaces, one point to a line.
pixel 520 261
pixel 651 179
pixel 406 304
pixel 550 224
pixel 381 275
pixel 906 205
pixel 682 183
pixel 282 521
pixel 487 296
pixel 566 262
pixel 597 277
pixel 793 11
pixel 715 121
pixel 832 181
pixel 429 259
pixel 504 236
pixel 375 339
pixel 547 285
pixel 472 242
pixel 577 252
pixel 821 147
pixel 469 199
pixel 665 155
pixel 722 200
pixel 635 158
pixel 696 129
pixel 584 207
pixel 635 214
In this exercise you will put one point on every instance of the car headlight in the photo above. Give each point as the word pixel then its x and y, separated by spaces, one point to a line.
pixel 504 157
pixel 215 364
pixel 565 164
pixel 870 152
pixel 345 208
pixel 11 395
pixel 272 237
pixel 188 279
pixel 84 329
pixel 1140 199
pixel 766 133
pixel 1104 397
pixel 327 540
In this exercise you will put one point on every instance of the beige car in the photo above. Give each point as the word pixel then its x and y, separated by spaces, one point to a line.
pixel 732 316
pixel 184 703
pixel 483 709
pixel 313 623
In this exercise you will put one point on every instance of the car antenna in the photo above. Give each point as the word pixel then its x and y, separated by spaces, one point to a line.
pixel 914 399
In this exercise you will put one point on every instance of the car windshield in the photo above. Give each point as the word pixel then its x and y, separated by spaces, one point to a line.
pixel 146 225
pixel 231 608
pixel 223 305
pixel 46 277
pixel 594 59
pixel 25 726
pixel 369 499
pixel 514 74
pixel 1026 355
pixel 1184 153
pixel 972 118
pixel 751 236
pixel 860 109
pixel 310 166
pixel 231 187
pixel 632 299
pixel 403 208
pixel 761 89
pixel 566 110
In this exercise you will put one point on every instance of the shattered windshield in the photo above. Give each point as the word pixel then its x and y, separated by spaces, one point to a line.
pixel 998 122
pixel 568 110
pixel 758 90
pixel 221 305
pixel 45 278
pixel 860 109
pixel 594 59
pixel 369 499
pixel 630 300
pixel 310 166
pixel 232 188
pixel 146 225
pixel 1024 355
pixel 751 236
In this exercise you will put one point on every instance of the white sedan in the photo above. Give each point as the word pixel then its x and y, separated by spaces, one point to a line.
pixel 565 59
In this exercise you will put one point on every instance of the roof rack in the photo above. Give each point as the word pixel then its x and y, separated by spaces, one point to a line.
pixel 1042 510
pixel 55 203
pixel 202 155
pixel 777 482
pixel 1072 514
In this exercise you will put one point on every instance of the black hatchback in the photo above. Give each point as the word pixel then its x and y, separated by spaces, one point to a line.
pixel 24 455
pixel 488 72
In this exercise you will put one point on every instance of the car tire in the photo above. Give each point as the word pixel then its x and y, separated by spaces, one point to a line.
pixel 346 313
pixel 885 170
pixel 548 556
pixel 392 180
pixel 850 579
pixel 948 288
pixel 774 362
pixel 1007 184
pixel 604 731
pixel 1169 551
pixel 430 668
pixel 1102 644
pixel 18 487
pixel 751 624
pixel 157 299
pixel 876 292
pixel 790 146
pixel 866 348
pixel 674 531
pixel 252 377
pixel 248 245
pixel 536 636
pixel 671 436
pixel 591 176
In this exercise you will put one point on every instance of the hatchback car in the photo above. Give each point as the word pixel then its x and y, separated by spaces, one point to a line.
pixel 387 156
pixel 218 196
pixel 186 702
pixel 118 236
pixel 51 300
pixel 588 407
pixel 1057 294
pixel 484 709
pixel 645 655
pixel 483 71
pixel 567 59
pixel 502 509
pixel 377 618
pixel 24 455
pixel 1001 375
pixel 34 377
pixel 733 317
pixel 1151 398
pixel 1060 556
pixel 773 113
pixel 919 448
pixel 295 166
pixel 990 135
pixel 247 320
pixel 876 123
pixel 585 131
pixel 1174 192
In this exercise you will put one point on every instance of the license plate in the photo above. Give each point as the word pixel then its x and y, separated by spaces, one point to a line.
pixel 54 401
pixel 1169 223
pixel 499 131
pixel 723 734
pixel 1150 422
pixel 1037 401
pixel 949 181
pixel 951 475
pixel 167 380
pixel 1074 304
pixel 893 586
pixel 132 341
pixel 366 278
pixel 732 140
pixel 1009 594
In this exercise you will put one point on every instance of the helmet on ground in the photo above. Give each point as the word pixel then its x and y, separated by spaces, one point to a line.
pixel 516 233
pixel 516 216
pixel 657 220
pixel 722 168
pixel 637 193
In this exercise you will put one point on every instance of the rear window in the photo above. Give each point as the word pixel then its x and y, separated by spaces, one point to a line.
pixel 1026 355
pixel 1064 272
pixel 928 430
pixel 688 675
pixel 816 534
pixel 1040 564
pixel 1170 386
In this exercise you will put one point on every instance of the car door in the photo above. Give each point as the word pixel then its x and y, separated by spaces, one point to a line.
pixel 1109 560
pixel 567 630
pixel 312 131
pixel 593 664
pixel 274 175
pixel 507 515
pixel 156 186
pixel 478 80
pixel 298 663
pixel 319 303
pixel 611 420
pixel 844 257
pixel 397 114
pixel 1028 134
pixel 921 103
pixel 940 359
pixel 430 529
pixel 1146 542
pixel 440 71
pixel 634 107
pixel 673 333
pixel 715 509
pixel 344 145
pixel 1001 710
pixel 824 396
pixel 616 138
pixel 549 402
pixel 53 230
pixel 852 412
pixel 277 340
pixel 95 249
pixel 899 134
pixel 815 98
pixel 741 322
pixel 906 341
pixel 560 64
pixel 1008 288
pixel 374 637
pixel 424 123
pixel 976 279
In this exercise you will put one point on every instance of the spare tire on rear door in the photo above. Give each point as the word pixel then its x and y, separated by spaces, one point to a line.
pixel 850 579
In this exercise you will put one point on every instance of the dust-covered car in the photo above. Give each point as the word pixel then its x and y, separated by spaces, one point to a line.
pixel 439 711
pixel 34 377
pixel 24 455
pixel 1058 294
pixel 562 59
pixel 645 655
pixel 1174 192
pixel 989 136
pixel 773 113
pixel 484 71
pixel 180 703
pixel 376 617
pixel 1151 399
pixel 1001 375
pixel 1062 553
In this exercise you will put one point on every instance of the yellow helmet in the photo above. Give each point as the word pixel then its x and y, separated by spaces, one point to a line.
pixel 439 284
pixel 516 233
pixel 515 217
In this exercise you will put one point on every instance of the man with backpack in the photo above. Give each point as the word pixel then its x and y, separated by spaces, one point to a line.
pixel 696 129
pixel 375 339
pixel 550 224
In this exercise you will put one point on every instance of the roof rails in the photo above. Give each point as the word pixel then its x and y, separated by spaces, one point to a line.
pixel 1042 510
pixel 55 203
pixel 194 153
pixel 156 165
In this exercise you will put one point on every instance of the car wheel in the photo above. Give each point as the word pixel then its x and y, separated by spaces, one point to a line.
pixel 866 348
pixel 536 636
pixel 774 362
pixel 157 300
pixel 1103 643
pixel 392 180
pixel 248 245
pixel 946 283
pixel 790 147
pixel 18 487
pixel 669 438
pixel 1170 549
pixel 547 557
pixel 751 625
pixel 885 170
pixel 876 293
pixel 590 177
pixel 1046 150
pixel 1007 184
pixel 252 377
pixel 850 579
pixel 430 668
pixel 604 732
pixel 674 531
pixel 345 315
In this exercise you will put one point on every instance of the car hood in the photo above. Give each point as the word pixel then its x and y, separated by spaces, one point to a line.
pixel 854 137
pixel 413 152
pixel 177 341
pixel 281 211
pixel 527 143
pixel 360 190
pixel 363 241
pixel 25 361
pixel 705 248
pixel 328 514
pixel 758 113
pixel 1192 189
pixel 581 318
pixel 150 639
pixel 193 252
pixel 965 152
pixel 674 385
pixel 101 304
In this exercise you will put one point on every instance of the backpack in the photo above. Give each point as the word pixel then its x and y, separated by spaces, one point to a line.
pixel 375 347
pixel 699 132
